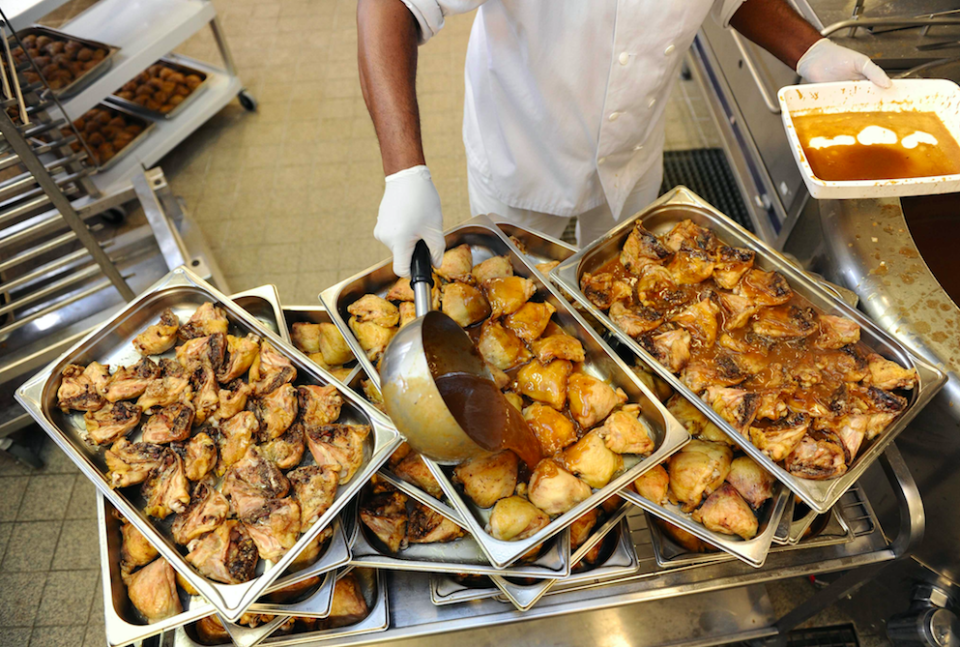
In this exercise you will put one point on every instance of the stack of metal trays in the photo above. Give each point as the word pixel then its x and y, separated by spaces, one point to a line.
pixel 682 204
pixel 111 344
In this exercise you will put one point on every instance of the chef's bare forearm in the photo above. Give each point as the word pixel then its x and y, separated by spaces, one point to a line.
pixel 387 54
pixel 776 27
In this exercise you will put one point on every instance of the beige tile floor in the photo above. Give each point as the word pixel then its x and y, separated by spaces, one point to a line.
pixel 287 195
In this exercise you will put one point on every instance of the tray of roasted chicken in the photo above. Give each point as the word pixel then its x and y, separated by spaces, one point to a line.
pixel 228 449
pixel 314 334
pixel 359 606
pixel 550 364
pixel 761 348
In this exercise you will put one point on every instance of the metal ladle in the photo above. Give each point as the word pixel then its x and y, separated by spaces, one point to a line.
pixel 432 346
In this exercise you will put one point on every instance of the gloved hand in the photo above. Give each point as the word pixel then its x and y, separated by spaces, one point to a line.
pixel 827 61
pixel 409 211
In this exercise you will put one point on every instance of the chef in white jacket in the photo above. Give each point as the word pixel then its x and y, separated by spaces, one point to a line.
pixel 564 103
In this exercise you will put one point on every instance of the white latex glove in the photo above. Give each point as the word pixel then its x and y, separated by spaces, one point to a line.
pixel 827 61
pixel 409 211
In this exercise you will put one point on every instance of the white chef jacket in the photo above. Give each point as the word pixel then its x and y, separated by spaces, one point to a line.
pixel 564 100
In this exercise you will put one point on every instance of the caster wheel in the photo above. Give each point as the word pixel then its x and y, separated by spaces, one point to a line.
pixel 114 216
pixel 247 101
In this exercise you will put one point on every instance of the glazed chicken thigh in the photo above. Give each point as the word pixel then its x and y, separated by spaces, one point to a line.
pixel 160 337
pixel 226 555
pixel 726 512
pixel 487 479
pixel 153 591
pixel 515 518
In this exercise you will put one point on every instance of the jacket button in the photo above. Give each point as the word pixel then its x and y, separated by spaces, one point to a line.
pixel 624 58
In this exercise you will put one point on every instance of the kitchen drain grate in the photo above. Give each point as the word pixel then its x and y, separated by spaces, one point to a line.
pixel 705 171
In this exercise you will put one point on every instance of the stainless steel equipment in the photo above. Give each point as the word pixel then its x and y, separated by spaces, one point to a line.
pixel 111 344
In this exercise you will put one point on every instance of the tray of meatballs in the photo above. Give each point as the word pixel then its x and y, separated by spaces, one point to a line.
pixel 163 90
pixel 597 425
pixel 65 62
pixel 802 383
pixel 228 449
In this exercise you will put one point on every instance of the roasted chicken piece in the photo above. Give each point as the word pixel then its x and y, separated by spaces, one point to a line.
pixel 501 347
pixel 427 526
pixel 852 398
pixel 172 423
pixel 507 294
pixel 836 332
pixel 555 490
pixel 235 437
pixel 700 320
pixel 167 490
pixel 160 337
pixel 545 382
pixel 274 526
pixel 698 469
pixel 653 485
pixel 626 432
pixel 786 322
pixel 553 429
pixel 780 437
pixel 591 400
pixel 492 268
pixel 726 512
pixel 401 291
pixel 270 370
pixel 323 338
pixel 226 555
pixel 207 510
pixel 400 453
pixel 748 357
pixel 530 320
pixel 514 518
pixel 135 550
pixel 753 482
pixel 732 264
pixel 373 338
pixel 286 450
pixel 408 312
pixel 349 606
pixel 208 350
pixel 591 460
pixel 240 355
pixel 581 529
pixel 820 455
pixel 457 263
pixel 294 591
pixel 641 249
pixel 693 235
pixel 311 553
pixel 207 320
pixel 318 405
pixel 773 404
pixel 314 488
pixel 305 336
pixel 764 288
pixel 889 375
pixel 848 364
pixel 850 430
pixel 372 309
pixel 386 515
pixel 697 424
pixel 251 480
pixel 653 280
pixel 635 320
pixel 603 290
pixel 339 447
pixel 112 421
pixel 487 479
pixel 690 265
pixel 232 399
pixel 558 346
pixel 173 386
pixel 413 470
pixel 722 370
pixel 153 591
pixel 500 378
pixel 78 390
pixel 670 347
pixel 277 411
pixel 211 631
pixel 737 310
pixel 130 381
pixel 206 392
pixel 464 304
pixel 547 267
pixel 736 406
pixel 131 463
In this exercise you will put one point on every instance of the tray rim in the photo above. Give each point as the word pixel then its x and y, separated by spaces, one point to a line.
pixel 503 553
pixel 232 601
pixel 819 495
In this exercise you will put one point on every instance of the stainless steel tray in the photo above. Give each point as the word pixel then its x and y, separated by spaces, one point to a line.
pixel 621 561
pixel 461 556
pixel 110 343
pixel 263 303
pixel 411 490
pixel 180 64
pixel 87 77
pixel 487 240
pixel 681 203
pixel 243 636
pixel 123 152
pixel 444 589
pixel 538 247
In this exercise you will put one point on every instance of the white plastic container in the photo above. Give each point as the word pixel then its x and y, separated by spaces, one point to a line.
pixel 925 95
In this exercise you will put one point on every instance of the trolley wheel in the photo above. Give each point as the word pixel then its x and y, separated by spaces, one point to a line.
pixel 114 216
pixel 247 101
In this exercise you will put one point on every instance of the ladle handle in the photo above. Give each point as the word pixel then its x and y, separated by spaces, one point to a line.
pixel 421 278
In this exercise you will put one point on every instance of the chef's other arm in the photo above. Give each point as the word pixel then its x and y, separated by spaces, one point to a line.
pixel 776 27
pixel 410 209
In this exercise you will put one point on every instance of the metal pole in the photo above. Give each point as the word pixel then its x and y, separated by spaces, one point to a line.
pixel 223 46
pixel 62 204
